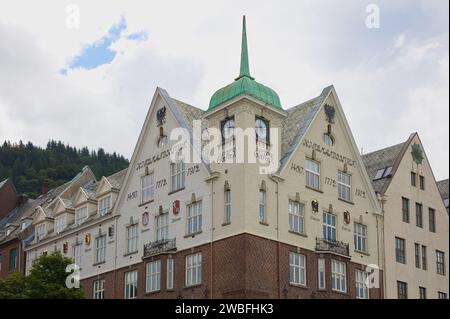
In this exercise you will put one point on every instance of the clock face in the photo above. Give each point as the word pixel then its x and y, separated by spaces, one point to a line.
pixel 261 129
pixel 228 129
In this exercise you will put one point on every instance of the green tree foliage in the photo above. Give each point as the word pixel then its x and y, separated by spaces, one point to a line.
pixel 47 280
pixel 28 165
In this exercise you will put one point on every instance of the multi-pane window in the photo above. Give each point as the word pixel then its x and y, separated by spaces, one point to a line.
pixel 148 187
pixel 442 295
pixel 422 293
pixel 312 173
pixel 297 269
pixel 321 273
pixel 413 179
pixel 76 253
pixel 417 255
pixel 402 290
pixel 432 220
pixel 104 205
pixel 296 217
pixel 362 291
pixel 345 186
pixel 131 284
pixel 329 226
pixel 419 217
pixel 400 255
pixel 60 223
pixel 100 249
pixel 132 238
pixel 422 182
pixel 338 276
pixel 13 259
pixel 262 206
pixel 405 209
pixel 194 218
pixel 360 237
pixel 178 175
pixel 81 214
pixel 40 232
pixel 153 282
pixel 169 273
pixel 440 262
pixel 162 226
pixel 193 269
pixel 99 289
pixel 424 258
pixel 227 217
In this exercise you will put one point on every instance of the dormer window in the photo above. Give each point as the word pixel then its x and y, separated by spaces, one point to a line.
pixel 25 224
pixel 81 214
pixel 41 231
pixel 104 205
pixel 60 223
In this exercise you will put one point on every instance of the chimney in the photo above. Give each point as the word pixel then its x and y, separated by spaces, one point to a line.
pixel 44 187
pixel 22 200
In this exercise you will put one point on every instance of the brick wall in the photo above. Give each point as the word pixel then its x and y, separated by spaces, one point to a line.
pixel 8 199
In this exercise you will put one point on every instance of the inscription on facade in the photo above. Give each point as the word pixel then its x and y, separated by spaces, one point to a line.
pixel 329 153
pixel 153 159
pixel 360 193
pixel 161 183
pixel 132 195
pixel 192 170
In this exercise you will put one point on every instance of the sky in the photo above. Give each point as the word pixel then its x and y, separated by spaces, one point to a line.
pixel 85 72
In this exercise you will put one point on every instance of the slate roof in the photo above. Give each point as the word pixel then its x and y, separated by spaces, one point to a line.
pixel 3 183
pixel 380 159
pixel 116 179
pixel 443 188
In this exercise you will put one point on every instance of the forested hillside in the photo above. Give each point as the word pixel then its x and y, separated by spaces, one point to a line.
pixel 28 165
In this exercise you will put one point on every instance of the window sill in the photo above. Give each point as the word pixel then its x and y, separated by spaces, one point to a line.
pixel 193 286
pixel 346 201
pixel 99 263
pixel 146 203
pixel 314 189
pixel 264 223
pixel 149 293
pixel 298 234
pixel 345 293
pixel 176 191
pixel 298 285
pixel 226 224
pixel 192 235
pixel 362 252
pixel 130 253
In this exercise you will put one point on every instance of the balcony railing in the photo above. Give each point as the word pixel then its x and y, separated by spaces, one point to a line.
pixel 159 247
pixel 333 246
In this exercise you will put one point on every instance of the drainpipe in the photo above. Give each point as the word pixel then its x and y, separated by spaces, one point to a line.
pixel 382 256
pixel 116 231
pixel 278 239
pixel 211 253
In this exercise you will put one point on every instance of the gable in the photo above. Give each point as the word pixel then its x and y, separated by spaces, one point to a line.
pixel 39 215
pixel 103 187
pixel 80 197
pixel 59 207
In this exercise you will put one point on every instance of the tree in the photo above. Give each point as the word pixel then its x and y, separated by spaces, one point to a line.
pixel 13 287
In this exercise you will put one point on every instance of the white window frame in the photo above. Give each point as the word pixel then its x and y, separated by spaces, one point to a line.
pixel 162 227
pixel 227 215
pixel 132 238
pixel 329 229
pixel 60 223
pixel 41 231
pixel 100 249
pixel 297 269
pixel 148 187
pixel 81 214
pixel 360 237
pixel 296 217
pixel 262 212
pixel 131 284
pixel 193 270
pixel 194 217
pixel 321 272
pixel 362 291
pixel 153 274
pixel 76 253
pixel 104 205
pixel 344 187
pixel 170 273
pixel 177 176
pixel 338 276
pixel 98 289
pixel 312 176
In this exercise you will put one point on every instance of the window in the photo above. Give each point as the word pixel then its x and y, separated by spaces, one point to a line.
pixel 162 226
pixel 169 273
pixel 312 174
pixel 296 217
pixel 432 220
pixel 193 269
pixel 321 273
pixel 442 295
pixel 148 187
pixel 360 237
pixel 400 250
pixel 297 269
pixel 104 205
pixel 329 226
pixel 99 289
pixel 338 276
pixel 402 290
pixel 194 219
pixel 419 220
pixel 76 253
pixel 153 276
pixel 328 139
pixel 40 232
pixel 424 257
pixel 417 255
pixel 100 249
pixel 440 262
pixel 13 259
pixel 131 284
pixel 344 186
pixel 81 214
pixel 227 217
pixel 422 293
pixel 262 206
pixel 60 223
pixel 413 179
pixel 362 291
pixel 132 238
pixel 422 182
pixel 405 209
pixel 382 173
pixel 178 175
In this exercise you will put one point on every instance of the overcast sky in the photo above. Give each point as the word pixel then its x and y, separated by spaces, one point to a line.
pixel 92 84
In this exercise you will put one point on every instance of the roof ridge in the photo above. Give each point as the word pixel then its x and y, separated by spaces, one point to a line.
pixel 384 149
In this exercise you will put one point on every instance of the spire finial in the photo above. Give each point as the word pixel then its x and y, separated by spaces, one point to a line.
pixel 245 69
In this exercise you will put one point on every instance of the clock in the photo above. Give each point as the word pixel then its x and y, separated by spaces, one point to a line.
pixel 228 129
pixel 261 129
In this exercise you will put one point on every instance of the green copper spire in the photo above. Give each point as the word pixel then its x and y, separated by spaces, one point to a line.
pixel 245 83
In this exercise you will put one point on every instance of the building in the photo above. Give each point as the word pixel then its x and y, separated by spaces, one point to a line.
pixel 416 228
pixel 443 189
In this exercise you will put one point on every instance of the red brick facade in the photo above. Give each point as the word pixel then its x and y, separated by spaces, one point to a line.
pixel 5 252
pixel 8 198
pixel 243 267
